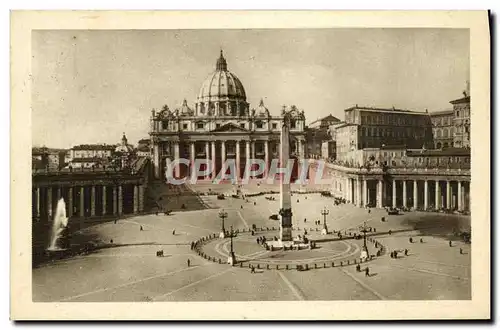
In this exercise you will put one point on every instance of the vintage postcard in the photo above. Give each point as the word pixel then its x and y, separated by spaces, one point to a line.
pixel 250 165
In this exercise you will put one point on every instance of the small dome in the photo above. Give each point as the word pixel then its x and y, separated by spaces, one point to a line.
pixel 124 147
pixel 221 84
pixel 185 110
pixel 261 110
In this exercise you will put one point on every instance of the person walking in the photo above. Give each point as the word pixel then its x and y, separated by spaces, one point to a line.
pixel 449 243
pixel 173 232
pixel 406 252
pixel 461 251
pixel 367 272
pixel 189 263
pixel 141 228
pixel 252 270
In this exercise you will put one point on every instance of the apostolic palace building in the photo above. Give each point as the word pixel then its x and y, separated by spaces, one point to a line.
pixel 222 125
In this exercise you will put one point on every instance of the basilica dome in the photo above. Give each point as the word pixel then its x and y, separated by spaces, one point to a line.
pixel 222 93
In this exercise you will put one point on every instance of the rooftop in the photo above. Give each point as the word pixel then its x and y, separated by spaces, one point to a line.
pixel 439 152
pixel 94 147
pixel 465 99
pixel 392 110
pixel 441 113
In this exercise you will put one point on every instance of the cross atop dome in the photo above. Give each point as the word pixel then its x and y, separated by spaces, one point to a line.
pixel 221 63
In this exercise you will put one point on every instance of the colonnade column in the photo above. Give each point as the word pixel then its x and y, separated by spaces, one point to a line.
pixel 120 200
pixel 192 157
pixel 404 193
pixel 49 201
pixel 70 201
pixel 115 201
pixel 103 200
pixel 394 193
pixel 238 161
pixel 37 193
pixel 437 195
pixel 380 186
pixel 136 198
pixel 141 198
pixel 247 155
pixel 92 201
pixel 58 193
pixel 448 194
pixel 358 192
pixel 176 158
pixel 82 201
pixel 365 192
pixel 415 194
pixel 459 195
pixel 426 194
pixel 214 170
pixel 207 153
pixel 266 157
pixel 156 160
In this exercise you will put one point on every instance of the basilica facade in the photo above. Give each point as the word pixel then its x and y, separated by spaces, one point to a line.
pixel 222 125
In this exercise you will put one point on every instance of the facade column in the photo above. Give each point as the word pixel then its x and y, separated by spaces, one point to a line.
pixel 346 192
pixel 253 149
pixel 115 201
pixel 214 170
pixel 426 194
pixel 247 155
pixel 70 202
pixel 365 192
pixel 37 193
pixel 223 153
pixel 459 195
pixel 49 201
pixel 176 157
pixel 82 201
pixel 192 159
pixel 136 199
pixel 266 157
pixel 207 153
pixel 437 195
pixel 141 198
pixel 58 191
pixel 404 194
pixel 358 192
pixel 156 161
pixel 394 193
pixel 103 200
pixel 92 201
pixel 415 194
pixel 448 194
pixel 238 160
pixel 380 185
pixel 120 200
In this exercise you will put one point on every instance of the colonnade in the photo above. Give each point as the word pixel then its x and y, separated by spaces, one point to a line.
pixel 88 200
pixel 418 194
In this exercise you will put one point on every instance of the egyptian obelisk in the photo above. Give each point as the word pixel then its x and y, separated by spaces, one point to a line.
pixel 285 198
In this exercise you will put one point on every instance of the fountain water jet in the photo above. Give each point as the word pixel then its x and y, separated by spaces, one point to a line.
pixel 60 223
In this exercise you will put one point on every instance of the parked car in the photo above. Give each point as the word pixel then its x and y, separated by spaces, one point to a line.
pixel 393 211
pixel 274 217
pixel 221 196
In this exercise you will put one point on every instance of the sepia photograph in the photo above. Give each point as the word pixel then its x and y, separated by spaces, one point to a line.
pixel 264 165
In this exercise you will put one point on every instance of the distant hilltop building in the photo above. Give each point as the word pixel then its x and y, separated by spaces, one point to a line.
pixel 221 125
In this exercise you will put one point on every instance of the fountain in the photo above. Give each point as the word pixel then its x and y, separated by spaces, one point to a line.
pixel 59 225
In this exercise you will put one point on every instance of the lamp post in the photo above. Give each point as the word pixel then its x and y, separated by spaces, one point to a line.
pixel 364 229
pixel 324 213
pixel 222 215
pixel 232 257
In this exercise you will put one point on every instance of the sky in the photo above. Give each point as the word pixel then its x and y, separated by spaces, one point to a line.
pixel 91 86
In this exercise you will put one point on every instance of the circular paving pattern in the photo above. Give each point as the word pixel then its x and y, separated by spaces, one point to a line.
pixel 328 252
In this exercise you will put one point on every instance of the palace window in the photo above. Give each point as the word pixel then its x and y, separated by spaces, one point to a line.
pixel 242 125
pixel 164 124
pixel 259 124
pixel 184 126
pixel 217 125
pixel 200 125
pixel 293 124
pixel 275 125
